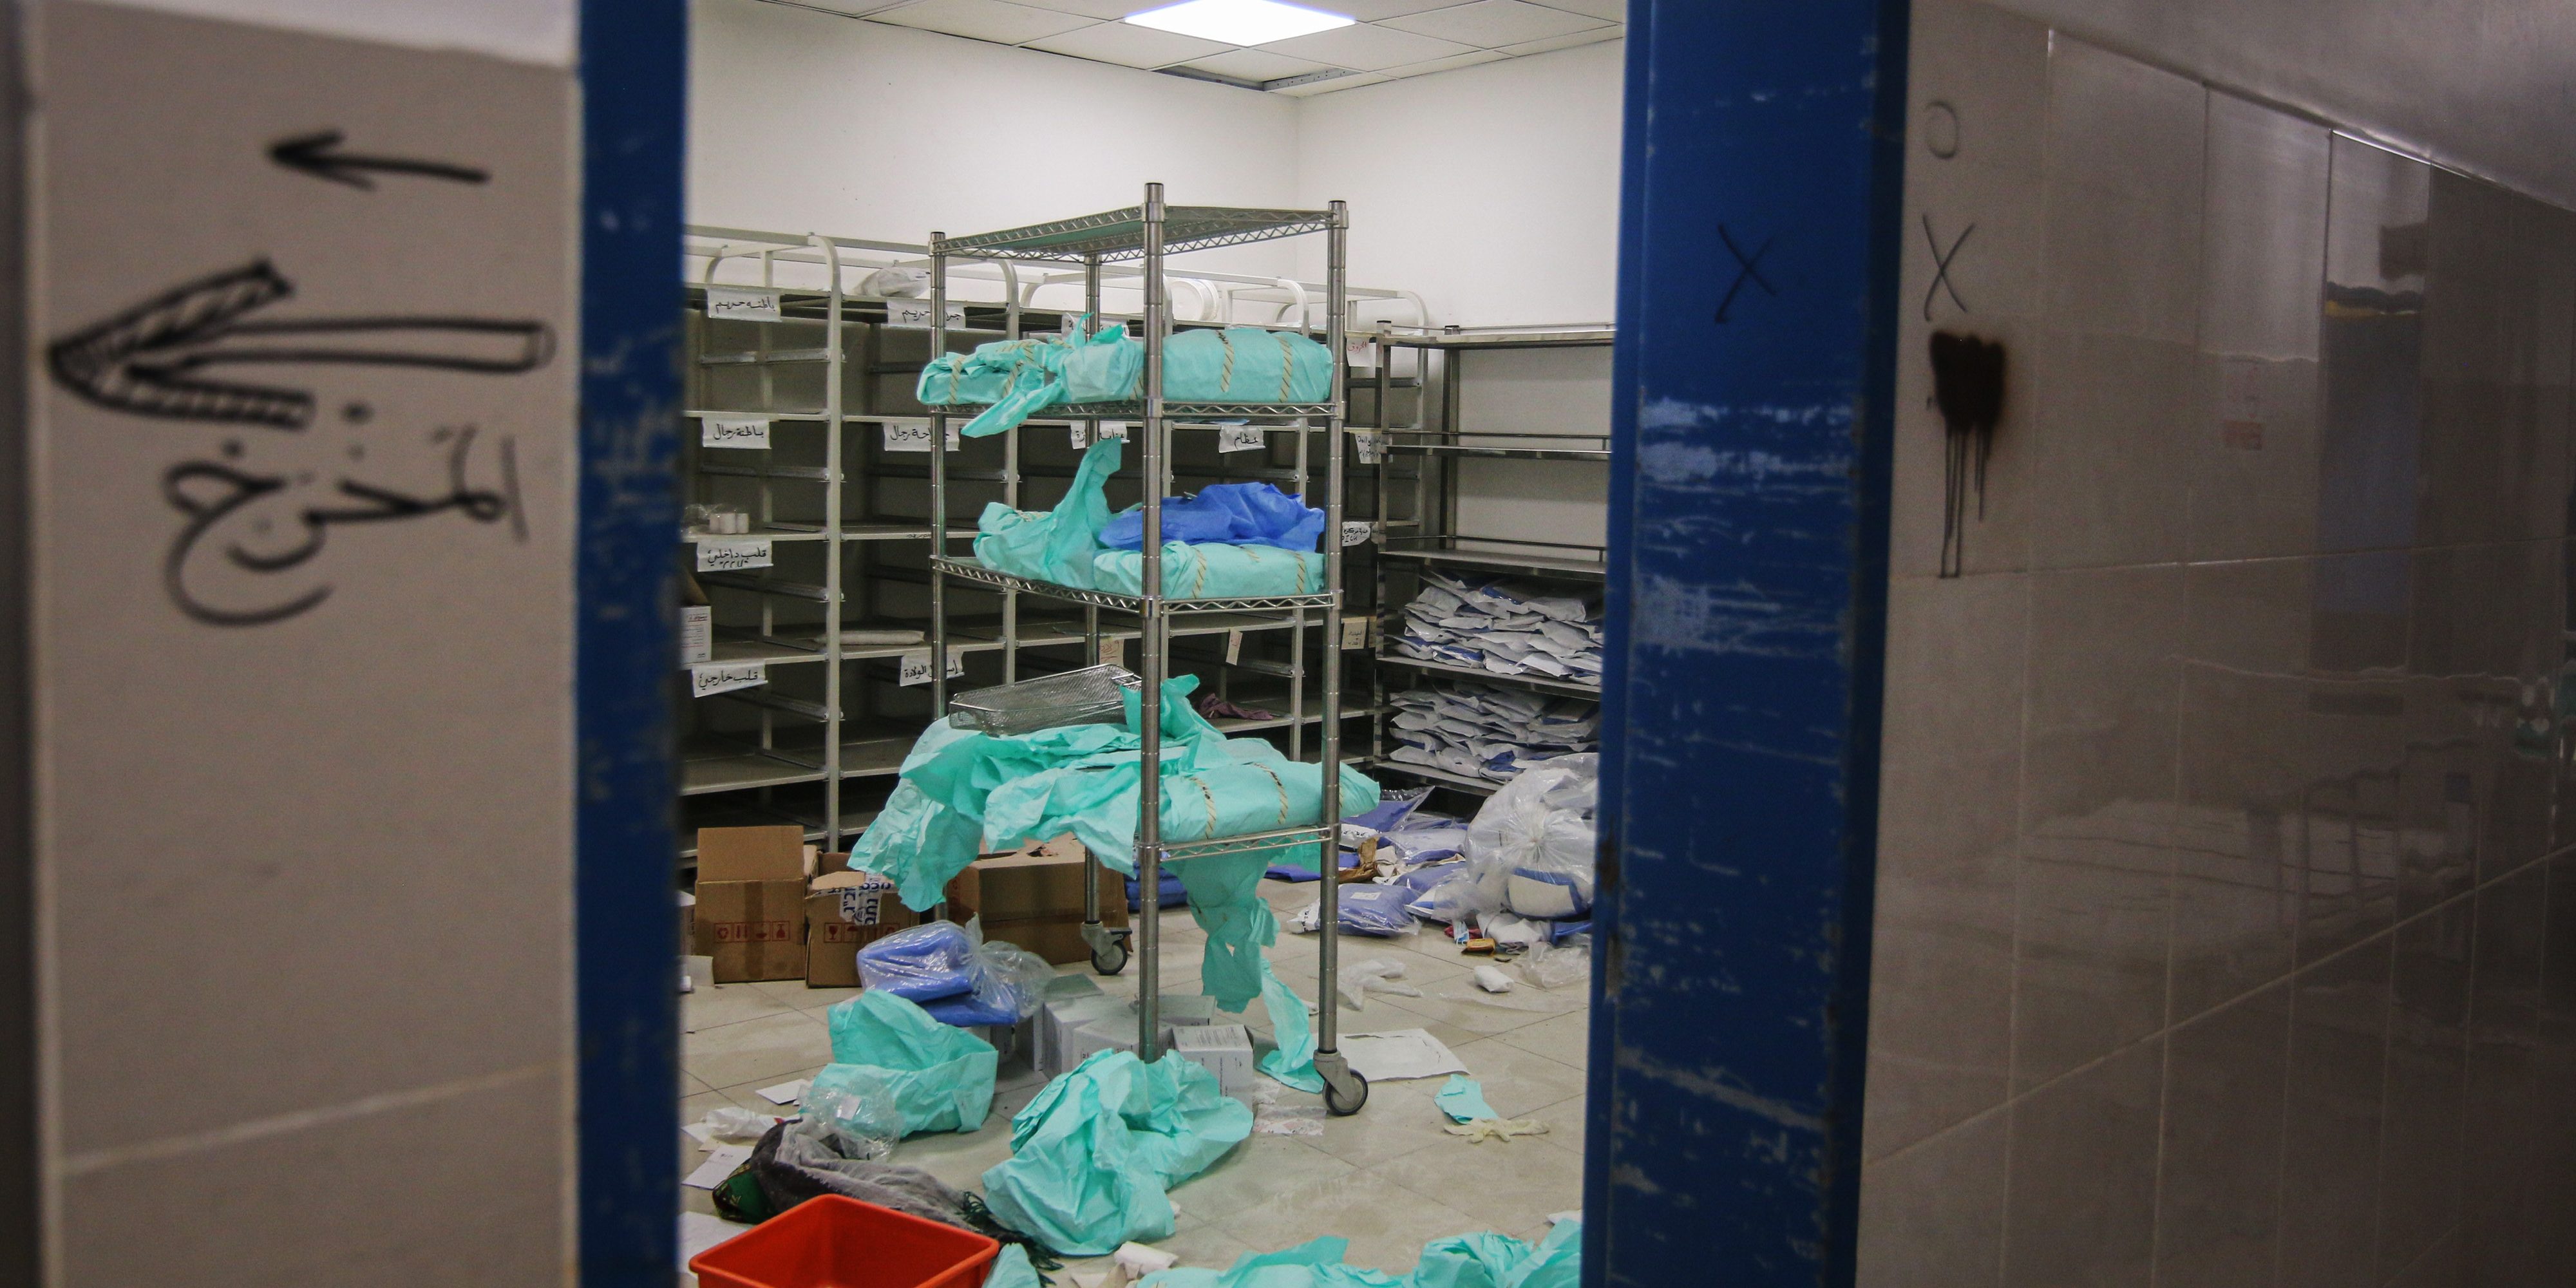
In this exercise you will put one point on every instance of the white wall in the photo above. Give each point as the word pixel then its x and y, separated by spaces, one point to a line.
pixel 1492 190
pixel 807 122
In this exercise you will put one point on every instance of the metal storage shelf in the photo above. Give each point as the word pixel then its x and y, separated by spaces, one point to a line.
pixel 1480 786
pixel 1539 565
pixel 969 570
pixel 1533 337
pixel 1067 413
pixel 735 771
pixel 1546 682
pixel 1150 231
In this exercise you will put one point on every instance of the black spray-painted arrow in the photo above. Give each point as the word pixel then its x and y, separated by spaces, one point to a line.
pixel 313 155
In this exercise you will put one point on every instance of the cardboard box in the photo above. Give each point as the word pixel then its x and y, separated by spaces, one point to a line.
pixel 844 911
pixel 1033 897
pixel 750 914
pixel 1070 1030
pixel 697 635
pixel 1222 1049
pixel 1063 1015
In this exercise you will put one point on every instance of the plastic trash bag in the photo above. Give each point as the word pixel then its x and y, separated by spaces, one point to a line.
pixel 1094 1157
pixel 941 1077
pixel 857 1103
pixel 921 964
pixel 1212 570
pixel 1568 962
pixel 1449 894
pixel 1531 846
pixel 1378 974
pixel 804 1157
pixel 1248 514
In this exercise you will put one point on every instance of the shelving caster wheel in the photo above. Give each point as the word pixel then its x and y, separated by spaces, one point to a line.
pixel 1108 949
pixel 1345 1091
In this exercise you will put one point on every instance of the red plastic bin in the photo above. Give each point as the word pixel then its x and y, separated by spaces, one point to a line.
pixel 833 1241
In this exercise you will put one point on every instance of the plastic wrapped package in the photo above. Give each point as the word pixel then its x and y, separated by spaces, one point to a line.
pixel 1212 570
pixel 858 1104
pixel 1251 514
pixel 921 964
pixel 1450 895
pixel 1010 984
pixel 941 1077
pixel 1091 695
pixel 1367 908
pixel 1094 1157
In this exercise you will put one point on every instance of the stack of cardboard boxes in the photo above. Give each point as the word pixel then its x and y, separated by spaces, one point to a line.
pixel 769 907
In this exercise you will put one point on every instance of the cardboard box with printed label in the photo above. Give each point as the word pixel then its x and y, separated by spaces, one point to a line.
pixel 845 910
pixel 1033 897
pixel 750 914
pixel 1222 1049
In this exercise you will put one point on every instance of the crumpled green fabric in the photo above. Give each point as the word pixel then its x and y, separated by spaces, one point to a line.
pixel 1019 378
pixel 1292 1059
pixel 1061 545
pixel 1011 1269
pixel 942 1077
pixel 1211 570
pixel 1463 1099
pixel 1094 1157
pixel 1462 1261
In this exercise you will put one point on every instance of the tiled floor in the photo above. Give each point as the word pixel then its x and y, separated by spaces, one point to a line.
pixel 1388 1178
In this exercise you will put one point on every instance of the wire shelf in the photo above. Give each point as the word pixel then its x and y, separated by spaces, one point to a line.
pixel 1114 235
pixel 969 570
pixel 1249 841
pixel 1172 411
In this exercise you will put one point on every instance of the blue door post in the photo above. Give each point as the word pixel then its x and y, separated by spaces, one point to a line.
pixel 1747 591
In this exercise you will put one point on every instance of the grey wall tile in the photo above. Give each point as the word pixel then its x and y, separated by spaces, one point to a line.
pixel 1941 972
pixel 1933 1216
pixel 462 1189
pixel 2081 1209
pixel 2245 767
pixel 2499 292
pixel 2097 856
pixel 1973 248
pixel 2117 399
pixel 2419 1167
pixel 2253 452
pixel 2218 1185
pixel 2444 1265
pixel 2502 1222
pixel 2488 630
pixel 2331 1146
pixel 2552 1126
pixel 2371 428
pixel 2359 730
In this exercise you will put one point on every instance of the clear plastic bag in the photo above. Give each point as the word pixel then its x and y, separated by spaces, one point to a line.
pixel 1378 911
pixel 858 1106
pixel 1378 975
pixel 1531 846
pixel 1555 966
pixel 923 964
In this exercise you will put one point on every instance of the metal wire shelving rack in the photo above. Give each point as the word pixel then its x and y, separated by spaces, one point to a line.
pixel 1439 541
pixel 1150 233
pixel 808 756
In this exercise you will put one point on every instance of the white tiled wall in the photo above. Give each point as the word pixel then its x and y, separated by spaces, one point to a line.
pixel 2219 849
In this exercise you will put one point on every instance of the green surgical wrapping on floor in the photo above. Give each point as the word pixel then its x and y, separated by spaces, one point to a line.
pixel 1094 1157
pixel 1019 378
pixel 1292 1062
pixel 1011 1269
pixel 1462 1261
pixel 941 1077
pixel 1463 1099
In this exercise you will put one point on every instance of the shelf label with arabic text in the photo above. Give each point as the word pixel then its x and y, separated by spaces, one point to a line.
pixel 733 431
pixel 724 677
pixel 914 436
pixel 732 556
pixel 915 667
pixel 742 304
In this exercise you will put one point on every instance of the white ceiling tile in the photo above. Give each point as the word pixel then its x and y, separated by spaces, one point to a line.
pixel 1102 9
pixel 1129 46
pixel 1354 81
pixel 1256 65
pixel 1367 47
pixel 996 20
pixel 1607 10
pixel 1372 10
pixel 1493 24
pixel 1578 39
pixel 1448 64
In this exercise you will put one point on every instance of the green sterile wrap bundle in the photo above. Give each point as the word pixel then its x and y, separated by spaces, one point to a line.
pixel 1021 378
pixel 941 1077
pixel 1094 1157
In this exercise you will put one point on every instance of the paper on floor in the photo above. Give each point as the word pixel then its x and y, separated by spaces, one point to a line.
pixel 699 1232
pixel 1401 1054
pixel 785 1093
pixel 720 1164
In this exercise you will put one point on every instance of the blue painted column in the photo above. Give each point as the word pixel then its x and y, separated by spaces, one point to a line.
pixel 1748 529
pixel 634 76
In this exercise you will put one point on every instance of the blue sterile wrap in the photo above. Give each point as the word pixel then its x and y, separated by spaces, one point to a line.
pixel 920 964
pixel 1254 514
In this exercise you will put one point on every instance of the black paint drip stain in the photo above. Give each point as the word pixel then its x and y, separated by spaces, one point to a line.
pixel 1968 388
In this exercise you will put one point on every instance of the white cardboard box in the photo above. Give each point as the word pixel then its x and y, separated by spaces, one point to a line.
pixel 697 634
pixel 1222 1049
pixel 1060 1017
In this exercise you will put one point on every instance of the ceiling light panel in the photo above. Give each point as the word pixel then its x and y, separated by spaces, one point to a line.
pixel 1239 22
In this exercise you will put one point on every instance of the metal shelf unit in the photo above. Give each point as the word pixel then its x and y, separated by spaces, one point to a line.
pixel 1438 542
pixel 1149 233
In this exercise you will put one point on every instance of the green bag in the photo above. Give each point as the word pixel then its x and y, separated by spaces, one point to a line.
pixel 941 1077
pixel 1094 1157
pixel 1212 570
pixel 1058 545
